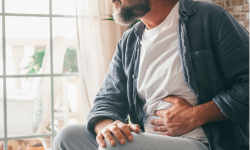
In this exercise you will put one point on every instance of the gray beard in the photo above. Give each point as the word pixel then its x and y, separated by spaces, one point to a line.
pixel 126 15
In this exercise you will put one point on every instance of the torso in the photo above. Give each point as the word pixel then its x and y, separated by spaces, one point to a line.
pixel 160 72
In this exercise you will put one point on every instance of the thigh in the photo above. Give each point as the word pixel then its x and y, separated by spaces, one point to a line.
pixel 75 137
pixel 146 141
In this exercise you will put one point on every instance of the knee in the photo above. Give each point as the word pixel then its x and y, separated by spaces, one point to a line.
pixel 66 135
pixel 126 146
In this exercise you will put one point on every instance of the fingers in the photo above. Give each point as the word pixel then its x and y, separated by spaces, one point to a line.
pixel 125 130
pixel 159 122
pixel 171 99
pixel 160 113
pixel 99 140
pixel 107 135
pixel 160 128
pixel 117 133
pixel 134 127
pixel 118 129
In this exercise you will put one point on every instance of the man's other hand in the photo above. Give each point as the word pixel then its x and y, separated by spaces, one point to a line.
pixel 118 129
pixel 177 120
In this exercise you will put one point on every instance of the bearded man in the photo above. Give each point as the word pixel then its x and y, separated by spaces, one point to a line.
pixel 181 74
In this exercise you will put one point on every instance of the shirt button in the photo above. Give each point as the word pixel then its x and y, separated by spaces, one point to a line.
pixel 133 76
pixel 138 50
pixel 134 103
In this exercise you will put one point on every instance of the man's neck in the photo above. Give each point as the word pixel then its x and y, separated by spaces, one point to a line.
pixel 160 9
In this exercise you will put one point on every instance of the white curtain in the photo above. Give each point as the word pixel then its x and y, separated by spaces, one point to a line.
pixel 97 39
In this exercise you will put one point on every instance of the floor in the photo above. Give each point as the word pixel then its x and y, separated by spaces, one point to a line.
pixel 25 144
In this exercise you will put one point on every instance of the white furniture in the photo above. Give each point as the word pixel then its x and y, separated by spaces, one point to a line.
pixel 20 103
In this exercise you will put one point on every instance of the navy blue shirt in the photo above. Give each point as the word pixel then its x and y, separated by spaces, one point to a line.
pixel 214 50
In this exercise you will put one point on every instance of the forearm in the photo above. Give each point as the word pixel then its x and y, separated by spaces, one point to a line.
pixel 101 124
pixel 206 113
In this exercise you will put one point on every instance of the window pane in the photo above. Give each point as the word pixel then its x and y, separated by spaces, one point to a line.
pixel 64 45
pixel 27 144
pixel 63 7
pixel 28 106
pixel 0 5
pixel 27 6
pixel 1 145
pixel 1 110
pixel 68 103
pixel 1 52
pixel 26 42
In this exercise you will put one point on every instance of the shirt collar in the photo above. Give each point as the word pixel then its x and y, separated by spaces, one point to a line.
pixel 186 9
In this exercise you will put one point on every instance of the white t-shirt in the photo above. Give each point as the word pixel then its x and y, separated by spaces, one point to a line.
pixel 160 72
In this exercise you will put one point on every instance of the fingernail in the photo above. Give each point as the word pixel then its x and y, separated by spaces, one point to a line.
pixel 130 138
pixel 122 141
pixel 112 142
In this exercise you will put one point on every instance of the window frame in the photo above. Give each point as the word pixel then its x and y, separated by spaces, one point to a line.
pixel 5 139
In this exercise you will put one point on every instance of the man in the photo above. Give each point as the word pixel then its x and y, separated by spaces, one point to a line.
pixel 190 57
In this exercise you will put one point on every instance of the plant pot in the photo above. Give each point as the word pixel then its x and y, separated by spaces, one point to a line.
pixel 35 148
pixel 9 148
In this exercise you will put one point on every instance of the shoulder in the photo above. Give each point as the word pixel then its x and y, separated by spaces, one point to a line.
pixel 208 9
pixel 207 6
pixel 208 15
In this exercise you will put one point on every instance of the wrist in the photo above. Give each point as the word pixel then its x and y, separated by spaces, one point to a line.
pixel 198 117
pixel 100 124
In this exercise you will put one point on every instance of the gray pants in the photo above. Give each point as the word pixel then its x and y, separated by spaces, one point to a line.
pixel 76 137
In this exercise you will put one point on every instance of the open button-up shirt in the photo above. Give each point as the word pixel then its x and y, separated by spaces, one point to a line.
pixel 214 50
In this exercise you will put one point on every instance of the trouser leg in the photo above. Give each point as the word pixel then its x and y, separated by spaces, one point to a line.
pixel 146 141
pixel 75 137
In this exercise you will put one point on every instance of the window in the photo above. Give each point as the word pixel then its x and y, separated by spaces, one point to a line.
pixel 39 84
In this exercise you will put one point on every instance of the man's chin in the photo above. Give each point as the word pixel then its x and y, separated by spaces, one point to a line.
pixel 119 20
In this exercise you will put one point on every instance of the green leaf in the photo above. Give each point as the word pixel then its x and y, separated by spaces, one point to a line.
pixel 109 19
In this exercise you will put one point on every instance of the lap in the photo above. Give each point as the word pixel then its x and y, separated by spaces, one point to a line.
pixel 76 137
pixel 146 141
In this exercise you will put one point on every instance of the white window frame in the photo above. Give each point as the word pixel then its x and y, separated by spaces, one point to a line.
pixel 51 75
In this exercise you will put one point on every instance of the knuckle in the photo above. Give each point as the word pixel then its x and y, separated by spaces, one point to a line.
pixel 166 120
pixel 137 126
pixel 167 114
pixel 115 128
pixel 157 122
pixel 105 132
pixel 117 121
pixel 123 126
pixel 98 136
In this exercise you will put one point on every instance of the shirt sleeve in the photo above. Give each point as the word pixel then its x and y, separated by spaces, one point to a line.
pixel 111 101
pixel 233 57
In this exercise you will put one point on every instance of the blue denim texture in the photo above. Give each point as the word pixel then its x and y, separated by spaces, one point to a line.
pixel 214 50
